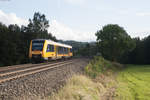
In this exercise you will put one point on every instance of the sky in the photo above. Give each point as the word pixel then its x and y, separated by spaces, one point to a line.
pixel 80 19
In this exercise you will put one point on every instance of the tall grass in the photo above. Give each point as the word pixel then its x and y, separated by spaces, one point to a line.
pixel 79 87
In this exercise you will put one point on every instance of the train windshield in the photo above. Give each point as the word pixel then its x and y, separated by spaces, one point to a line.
pixel 37 45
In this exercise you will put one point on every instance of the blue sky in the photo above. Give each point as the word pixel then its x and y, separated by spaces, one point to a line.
pixel 80 19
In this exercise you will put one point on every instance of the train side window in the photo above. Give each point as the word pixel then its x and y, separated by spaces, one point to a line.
pixel 50 48
pixel 62 50
pixel 59 50
pixel 71 50
pixel 66 51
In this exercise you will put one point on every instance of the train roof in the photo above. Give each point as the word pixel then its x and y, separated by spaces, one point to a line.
pixel 55 43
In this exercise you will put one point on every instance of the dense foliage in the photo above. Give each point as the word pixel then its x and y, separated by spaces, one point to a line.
pixel 140 55
pixel 98 66
pixel 15 40
pixel 114 41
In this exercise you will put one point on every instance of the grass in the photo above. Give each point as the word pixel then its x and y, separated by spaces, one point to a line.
pixel 79 87
pixel 134 83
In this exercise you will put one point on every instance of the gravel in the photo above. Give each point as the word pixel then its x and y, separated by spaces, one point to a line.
pixel 41 84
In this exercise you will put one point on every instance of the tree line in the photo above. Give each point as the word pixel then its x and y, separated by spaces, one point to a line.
pixel 15 40
pixel 140 54
pixel 116 45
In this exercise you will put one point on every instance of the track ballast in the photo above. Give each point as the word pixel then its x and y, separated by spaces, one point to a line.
pixel 11 73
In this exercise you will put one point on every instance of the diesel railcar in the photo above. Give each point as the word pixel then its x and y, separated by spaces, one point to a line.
pixel 46 50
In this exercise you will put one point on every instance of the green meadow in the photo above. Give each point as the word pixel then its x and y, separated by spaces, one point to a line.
pixel 134 83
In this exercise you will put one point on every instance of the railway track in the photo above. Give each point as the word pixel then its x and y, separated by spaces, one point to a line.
pixel 11 73
pixel 22 66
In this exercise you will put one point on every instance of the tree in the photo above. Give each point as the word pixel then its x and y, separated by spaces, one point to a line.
pixel 39 23
pixel 38 27
pixel 114 41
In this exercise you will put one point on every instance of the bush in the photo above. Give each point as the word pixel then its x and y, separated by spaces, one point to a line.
pixel 98 66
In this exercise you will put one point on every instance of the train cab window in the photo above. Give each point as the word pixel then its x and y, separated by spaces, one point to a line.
pixel 50 48
pixel 37 45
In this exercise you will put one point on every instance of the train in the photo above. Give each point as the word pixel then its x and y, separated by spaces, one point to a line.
pixel 46 50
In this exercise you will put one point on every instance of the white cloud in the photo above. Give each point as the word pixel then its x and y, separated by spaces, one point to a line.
pixel 123 12
pixel 140 34
pixel 143 14
pixel 11 18
pixel 61 31
pixel 75 1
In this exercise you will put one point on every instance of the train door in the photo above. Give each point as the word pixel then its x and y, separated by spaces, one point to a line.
pixel 69 52
pixel 56 51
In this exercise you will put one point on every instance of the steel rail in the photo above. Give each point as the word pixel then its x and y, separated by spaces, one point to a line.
pixel 28 69
pixel 51 66
pixel 17 67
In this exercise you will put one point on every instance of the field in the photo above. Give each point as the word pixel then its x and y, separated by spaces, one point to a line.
pixel 134 83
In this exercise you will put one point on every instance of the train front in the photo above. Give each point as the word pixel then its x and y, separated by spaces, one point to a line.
pixel 36 50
